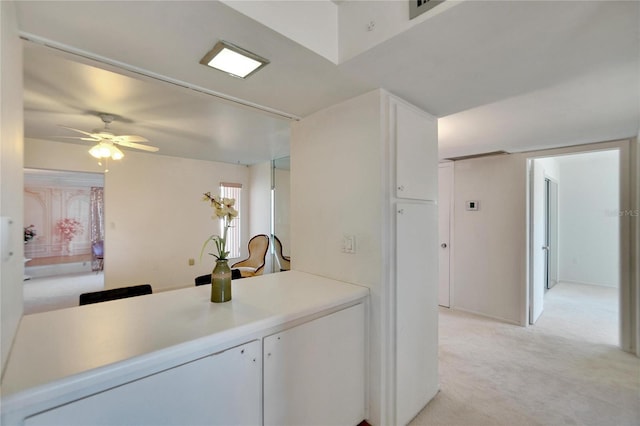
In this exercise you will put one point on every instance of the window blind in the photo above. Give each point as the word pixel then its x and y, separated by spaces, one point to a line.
pixel 232 190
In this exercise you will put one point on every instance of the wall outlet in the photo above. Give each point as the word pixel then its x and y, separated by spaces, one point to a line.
pixel 348 243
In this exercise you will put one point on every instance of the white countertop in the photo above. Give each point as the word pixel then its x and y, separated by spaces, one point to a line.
pixel 54 346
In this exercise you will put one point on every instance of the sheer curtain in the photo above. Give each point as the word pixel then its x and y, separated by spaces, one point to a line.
pixel 97 225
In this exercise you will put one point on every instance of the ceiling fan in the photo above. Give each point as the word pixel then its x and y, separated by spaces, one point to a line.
pixel 106 140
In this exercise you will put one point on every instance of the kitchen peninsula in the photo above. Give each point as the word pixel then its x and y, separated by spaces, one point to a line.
pixel 288 349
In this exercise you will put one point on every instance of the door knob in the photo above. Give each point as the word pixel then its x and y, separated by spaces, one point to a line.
pixel 545 247
pixel 443 245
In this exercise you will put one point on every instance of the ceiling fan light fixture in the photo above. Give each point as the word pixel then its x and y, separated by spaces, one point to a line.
pixel 106 150
pixel 233 60
pixel 100 151
pixel 116 154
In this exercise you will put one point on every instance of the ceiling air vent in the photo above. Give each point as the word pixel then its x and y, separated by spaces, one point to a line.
pixel 418 7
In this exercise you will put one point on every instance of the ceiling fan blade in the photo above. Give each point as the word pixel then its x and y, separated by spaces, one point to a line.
pixel 137 146
pixel 131 138
pixel 79 137
pixel 79 131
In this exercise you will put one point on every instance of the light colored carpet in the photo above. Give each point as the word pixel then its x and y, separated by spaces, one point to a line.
pixel 51 293
pixel 565 370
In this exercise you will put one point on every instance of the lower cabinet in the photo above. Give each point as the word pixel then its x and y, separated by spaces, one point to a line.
pixel 314 374
pixel 220 389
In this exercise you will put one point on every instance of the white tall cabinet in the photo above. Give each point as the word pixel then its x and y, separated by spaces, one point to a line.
pixel 414 277
pixel 366 170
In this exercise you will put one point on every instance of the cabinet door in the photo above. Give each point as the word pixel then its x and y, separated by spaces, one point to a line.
pixel 416 140
pixel 220 389
pixel 314 373
pixel 416 308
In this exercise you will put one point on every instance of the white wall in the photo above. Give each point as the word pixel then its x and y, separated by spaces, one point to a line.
pixel 337 32
pixel 390 17
pixel 154 217
pixel 313 24
pixel 490 275
pixel 336 178
pixel 283 209
pixel 260 204
pixel 11 153
pixel 489 246
pixel 260 199
pixel 589 203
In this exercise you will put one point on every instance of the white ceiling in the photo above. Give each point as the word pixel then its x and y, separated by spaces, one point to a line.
pixel 504 75
pixel 181 122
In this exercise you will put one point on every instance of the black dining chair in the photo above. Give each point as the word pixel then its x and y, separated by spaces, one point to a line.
pixel 203 279
pixel 206 279
pixel 114 294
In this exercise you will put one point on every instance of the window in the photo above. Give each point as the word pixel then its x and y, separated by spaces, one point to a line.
pixel 232 190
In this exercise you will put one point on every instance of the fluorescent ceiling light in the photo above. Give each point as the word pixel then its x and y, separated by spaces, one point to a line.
pixel 233 60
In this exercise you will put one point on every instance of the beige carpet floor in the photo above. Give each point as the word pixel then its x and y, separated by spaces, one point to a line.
pixel 565 370
pixel 51 293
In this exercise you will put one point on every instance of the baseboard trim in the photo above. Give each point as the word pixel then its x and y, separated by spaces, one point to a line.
pixel 482 314
pixel 586 283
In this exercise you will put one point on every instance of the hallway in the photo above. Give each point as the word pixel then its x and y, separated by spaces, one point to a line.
pixel 565 370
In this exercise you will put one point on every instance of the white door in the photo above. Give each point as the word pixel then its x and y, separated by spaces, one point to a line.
pixel 445 189
pixel 551 211
pixel 538 242
pixel 416 308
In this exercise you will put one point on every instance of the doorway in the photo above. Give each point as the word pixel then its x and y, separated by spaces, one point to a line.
pixel 445 219
pixel 575 232
pixel 64 237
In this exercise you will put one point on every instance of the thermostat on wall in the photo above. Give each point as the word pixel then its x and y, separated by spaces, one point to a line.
pixel 472 205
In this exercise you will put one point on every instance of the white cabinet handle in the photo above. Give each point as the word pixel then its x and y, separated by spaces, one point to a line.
pixel 401 188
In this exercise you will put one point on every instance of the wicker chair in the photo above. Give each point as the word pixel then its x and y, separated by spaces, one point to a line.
pixel 284 262
pixel 254 264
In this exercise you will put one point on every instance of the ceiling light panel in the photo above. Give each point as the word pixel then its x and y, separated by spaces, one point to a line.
pixel 233 60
